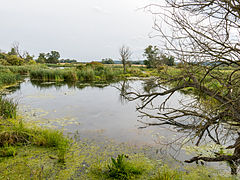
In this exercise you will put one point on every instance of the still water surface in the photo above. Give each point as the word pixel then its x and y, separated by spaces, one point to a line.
pixel 93 112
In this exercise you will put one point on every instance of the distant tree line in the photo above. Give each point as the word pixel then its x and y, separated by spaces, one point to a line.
pixel 67 61
pixel 107 61
pixel 51 58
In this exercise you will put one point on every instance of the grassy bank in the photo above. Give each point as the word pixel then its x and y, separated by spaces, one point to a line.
pixel 85 74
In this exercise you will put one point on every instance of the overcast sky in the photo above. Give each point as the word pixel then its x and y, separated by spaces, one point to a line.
pixel 81 29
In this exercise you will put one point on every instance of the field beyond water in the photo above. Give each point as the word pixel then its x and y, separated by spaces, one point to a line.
pixel 28 151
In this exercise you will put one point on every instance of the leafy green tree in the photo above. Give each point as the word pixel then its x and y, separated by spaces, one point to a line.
pixel 167 60
pixel 41 58
pixel 53 57
pixel 152 55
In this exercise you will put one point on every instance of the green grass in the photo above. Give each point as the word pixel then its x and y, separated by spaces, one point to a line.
pixel 22 70
pixel 8 108
pixel 14 132
pixel 7 151
pixel 7 78
pixel 83 74
pixel 121 168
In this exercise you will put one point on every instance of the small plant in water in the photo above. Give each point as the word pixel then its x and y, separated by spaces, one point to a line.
pixel 120 168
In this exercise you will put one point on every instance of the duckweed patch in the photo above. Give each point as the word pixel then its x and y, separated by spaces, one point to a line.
pixel 87 159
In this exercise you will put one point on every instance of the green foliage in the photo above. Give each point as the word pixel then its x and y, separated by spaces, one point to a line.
pixel 107 61
pixel 123 168
pixel 22 70
pixel 53 138
pixel 68 61
pixel 4 62
pixel 81 73
pixel 41 58
pixel 32 62
pixel 8 108
pixel 16 133
pixel 52 57
pixel 7 78
pixel 94 63
pixel 167 60
pixel 14 60
pixel 151 53
pixel 155 58
pixel 13 52
pixel 166 173
pixel 8 151
pixel 28 58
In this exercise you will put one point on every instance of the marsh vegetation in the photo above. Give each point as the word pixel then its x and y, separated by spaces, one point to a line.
pixel 195 98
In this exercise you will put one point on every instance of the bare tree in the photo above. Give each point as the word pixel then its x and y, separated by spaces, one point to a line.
pixel 16 47
pixel 205 37
pixel 125 54
pixel 19 53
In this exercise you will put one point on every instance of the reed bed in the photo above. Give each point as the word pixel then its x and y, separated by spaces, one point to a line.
pixel 7 78
pixel 22 70
pixel 8 108
pixel 86 74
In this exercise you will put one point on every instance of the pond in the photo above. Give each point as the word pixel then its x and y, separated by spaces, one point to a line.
pixel 92 111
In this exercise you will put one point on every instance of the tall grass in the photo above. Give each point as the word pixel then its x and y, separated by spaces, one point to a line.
pixel 7 78
pixel 13 132
pixel 22 70
pixel 84 74
pixel 8 108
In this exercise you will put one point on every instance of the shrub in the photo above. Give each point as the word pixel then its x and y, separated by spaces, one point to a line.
pixel 14 60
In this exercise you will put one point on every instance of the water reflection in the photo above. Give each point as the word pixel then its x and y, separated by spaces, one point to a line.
pixel 93 110
pixel 57 85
